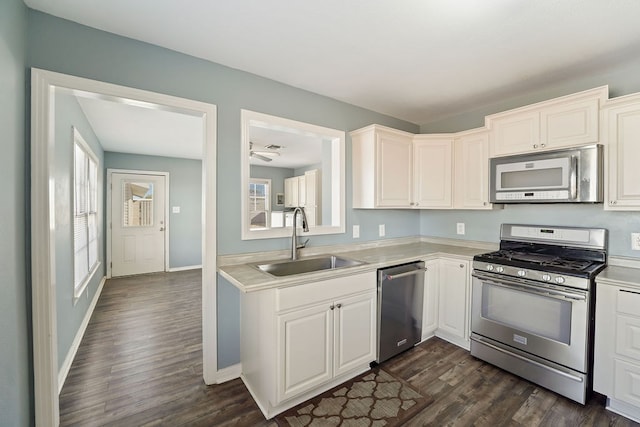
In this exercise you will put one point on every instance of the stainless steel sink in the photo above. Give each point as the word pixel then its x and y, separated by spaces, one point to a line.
pixel 307 265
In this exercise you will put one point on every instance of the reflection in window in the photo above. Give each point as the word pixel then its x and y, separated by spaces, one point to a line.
pixel 259 203
pixel 137 206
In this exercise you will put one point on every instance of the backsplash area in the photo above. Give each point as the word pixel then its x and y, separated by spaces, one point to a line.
pixel 485 225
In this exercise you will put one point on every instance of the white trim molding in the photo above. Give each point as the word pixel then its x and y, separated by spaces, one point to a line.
pixel 45 347
pixel 229 373
pixel 75 345
pixel 185 268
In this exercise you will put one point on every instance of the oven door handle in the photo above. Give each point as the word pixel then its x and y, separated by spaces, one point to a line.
pixel 539 290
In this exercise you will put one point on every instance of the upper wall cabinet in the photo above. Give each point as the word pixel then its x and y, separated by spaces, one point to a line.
pixel 621 135
pixel 432 166
pixel 395 169
pixel 382 167
pixel 471 170
pixel 562 122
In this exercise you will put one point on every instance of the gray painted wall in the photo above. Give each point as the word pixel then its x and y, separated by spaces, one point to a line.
pixel 16 403
pixel 185 191
pixel 69 316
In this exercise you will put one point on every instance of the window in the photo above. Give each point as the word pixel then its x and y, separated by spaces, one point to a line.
pixel 259 203
pixel 85 213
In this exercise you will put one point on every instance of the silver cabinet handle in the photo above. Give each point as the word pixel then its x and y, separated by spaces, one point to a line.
pixel 408 273
pixel 332 306
pixel 339 305
pixel 161 228
pixel 461 265
pixel 543 145
pixel 535 145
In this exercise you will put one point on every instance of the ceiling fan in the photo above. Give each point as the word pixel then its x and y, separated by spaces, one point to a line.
pixel 265 156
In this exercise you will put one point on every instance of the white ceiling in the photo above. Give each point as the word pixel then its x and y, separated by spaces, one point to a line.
pixel 123 127
pixel 418 60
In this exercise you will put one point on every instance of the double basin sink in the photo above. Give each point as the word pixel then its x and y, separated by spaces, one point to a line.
pixel 307 265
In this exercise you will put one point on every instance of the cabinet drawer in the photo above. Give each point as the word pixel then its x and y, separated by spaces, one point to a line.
pixel 331 289
pixel 628 302
pixel 627 382
pixel 628 336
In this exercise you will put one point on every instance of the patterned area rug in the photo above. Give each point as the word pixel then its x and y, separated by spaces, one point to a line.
pixel 373 399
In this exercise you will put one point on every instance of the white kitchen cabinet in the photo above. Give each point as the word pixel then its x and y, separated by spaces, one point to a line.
pixel 432 171
pixel 430 299
pixel 621 124
pixel 562 122
pixel 453 308
pixel 471 170
pixel 299 341
pixel 305 338
pixel 381 167
pixel 313 196
pixel 617 348
pixel 291 191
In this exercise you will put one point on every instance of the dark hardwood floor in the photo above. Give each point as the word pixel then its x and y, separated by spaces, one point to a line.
pixel 140 364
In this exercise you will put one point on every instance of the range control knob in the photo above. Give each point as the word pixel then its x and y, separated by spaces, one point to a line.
pixel 546 277
pixel 522 273
pixel 500 269
pixel 559 279
pixel 490 267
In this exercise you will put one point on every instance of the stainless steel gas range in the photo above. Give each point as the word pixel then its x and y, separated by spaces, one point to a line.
pixel 533 305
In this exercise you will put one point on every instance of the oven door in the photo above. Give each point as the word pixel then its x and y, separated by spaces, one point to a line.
pixel 548 321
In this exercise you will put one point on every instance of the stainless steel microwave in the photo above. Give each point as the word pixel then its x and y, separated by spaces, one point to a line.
pixel 571 175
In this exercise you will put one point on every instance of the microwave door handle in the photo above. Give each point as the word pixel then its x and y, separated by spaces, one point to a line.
pixel 573 178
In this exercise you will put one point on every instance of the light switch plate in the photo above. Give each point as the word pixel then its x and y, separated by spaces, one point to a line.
pixel 381 230
pixel 356 231
pixel 635 241
pixel 460 228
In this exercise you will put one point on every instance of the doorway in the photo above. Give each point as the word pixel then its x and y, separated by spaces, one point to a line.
pixel 43 213
pixel 137 222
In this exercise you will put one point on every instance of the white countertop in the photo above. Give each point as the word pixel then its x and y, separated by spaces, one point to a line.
pixel 620 276
pixel 249 279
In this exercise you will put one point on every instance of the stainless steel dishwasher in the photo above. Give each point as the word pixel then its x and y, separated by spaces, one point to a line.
pixel 400 292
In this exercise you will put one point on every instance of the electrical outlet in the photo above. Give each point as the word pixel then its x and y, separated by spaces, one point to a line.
pixel 356 231
pixel 175 209
pixel 460 228
pixel 381 230
pixel 635 241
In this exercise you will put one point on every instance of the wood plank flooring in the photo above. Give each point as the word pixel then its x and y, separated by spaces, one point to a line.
pixel 140 364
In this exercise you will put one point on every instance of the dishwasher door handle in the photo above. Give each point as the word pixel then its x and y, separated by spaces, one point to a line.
pixel 407 273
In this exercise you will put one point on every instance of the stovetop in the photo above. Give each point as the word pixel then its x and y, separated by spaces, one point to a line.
pixel 551 258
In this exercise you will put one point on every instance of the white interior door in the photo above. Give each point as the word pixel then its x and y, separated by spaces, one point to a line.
pixel 138 223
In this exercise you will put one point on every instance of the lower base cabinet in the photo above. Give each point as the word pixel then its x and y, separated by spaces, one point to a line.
pixel 446 301
pixel 300 341
pixel 617 349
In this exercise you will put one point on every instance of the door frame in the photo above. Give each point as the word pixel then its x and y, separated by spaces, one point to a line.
pixel 109 195
pixel 42 234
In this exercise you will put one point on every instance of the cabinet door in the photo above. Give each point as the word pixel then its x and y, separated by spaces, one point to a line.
pixel 570 123
pixel 291 192
pixel 355 332
pixel 305 350
pixel 622 125
pixel 515 133
pixel 313 197
pixel 471 179
pixel 453 317
pixel 394 176
pixel 302 191
pixel 432 165
pixel 430 299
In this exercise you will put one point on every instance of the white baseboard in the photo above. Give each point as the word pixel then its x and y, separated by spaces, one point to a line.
pixel 188 267
pixel 66 365
pixel 229 373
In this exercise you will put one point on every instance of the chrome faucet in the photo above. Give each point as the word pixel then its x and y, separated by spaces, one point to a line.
pixel 294 237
